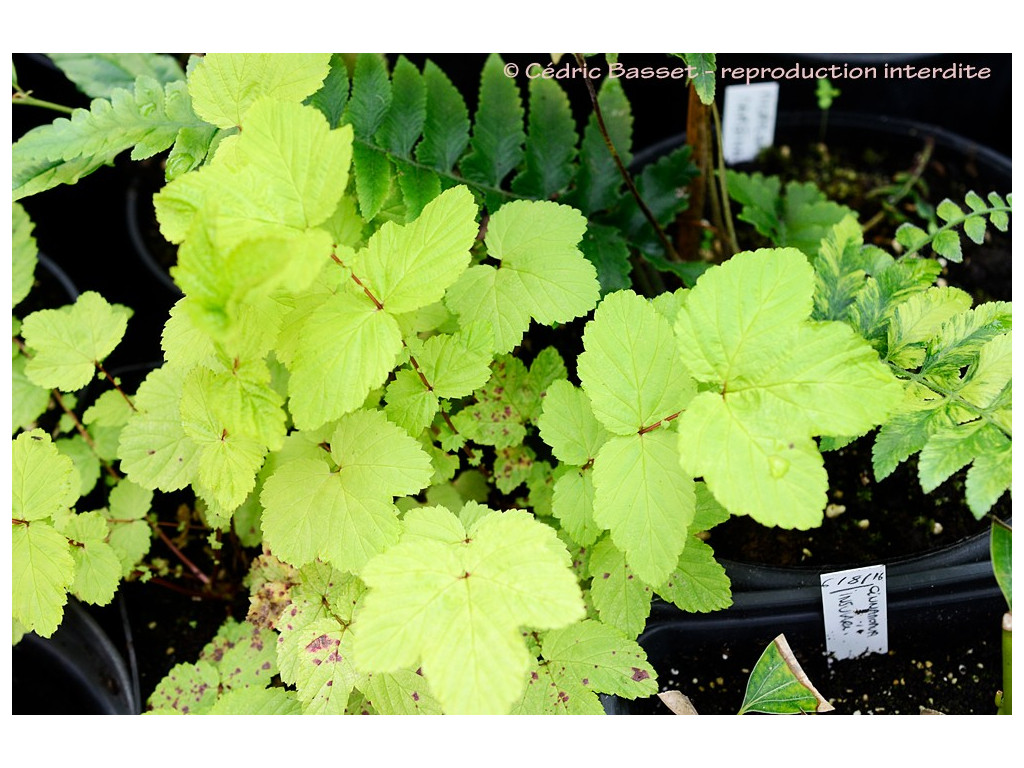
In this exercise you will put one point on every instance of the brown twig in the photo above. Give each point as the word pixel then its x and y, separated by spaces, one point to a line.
pixel 670 251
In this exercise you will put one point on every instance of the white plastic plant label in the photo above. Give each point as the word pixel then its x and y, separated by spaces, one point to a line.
pixel 856 618
pixel 748 120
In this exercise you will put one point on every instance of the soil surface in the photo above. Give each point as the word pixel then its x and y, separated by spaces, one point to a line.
pixel 955 676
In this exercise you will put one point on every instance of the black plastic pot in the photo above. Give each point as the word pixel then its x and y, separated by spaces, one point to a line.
pixel 943 603
pixel 76 671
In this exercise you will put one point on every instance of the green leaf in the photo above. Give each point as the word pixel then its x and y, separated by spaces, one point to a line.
pixel 1002 559
pixel 951 448
pixel 644 498
pixel 67 343
pixel 630 367
pixel 187 689
pixel 155 451
pixel 497 144
pixel 703 79
pixel 402 693
pixel 98 75
pixel 989 477
pixel 779 686
pixel 918 319
pixel 777 380
pixel 43 481
pixel 23 254
pixel 346 347
pixel 410 404
pixel 332 96
pixel 598 179
pixel 408 267
pixel 800 218
pixel 28 402
pixel 224 85
pixel 543 275
pixel 97 567
pixel 622 600
pixel 456 600
pixel 567 424
pixel 699 583
pixel 87 463
pixel 344 515
pixel 572 503
pixel 550 143
pixel 253 700
pixel 373 179
pixel 42 572
pixel 580 661
pixel 606 249
pixel 510 399
pixel 404 121
pixel 446 129
pixel 150 118
pixel 371 95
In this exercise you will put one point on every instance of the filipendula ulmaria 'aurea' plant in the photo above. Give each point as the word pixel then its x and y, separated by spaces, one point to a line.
pixel 449 525
pixel 63 540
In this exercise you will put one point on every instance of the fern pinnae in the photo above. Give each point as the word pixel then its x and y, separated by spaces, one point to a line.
pixel 945 241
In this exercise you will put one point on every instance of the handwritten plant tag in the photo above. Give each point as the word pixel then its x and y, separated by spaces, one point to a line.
pixel 856 617
pixel 748 120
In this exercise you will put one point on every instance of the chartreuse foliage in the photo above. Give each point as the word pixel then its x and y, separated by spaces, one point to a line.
pixel 454 517
pixel 952 359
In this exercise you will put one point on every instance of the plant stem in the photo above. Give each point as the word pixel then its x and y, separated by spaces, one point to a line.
pixel 181 556
pixel 23 97
pixel 723 185
pixel 670 251
pixel 915 175
pixel 1006 705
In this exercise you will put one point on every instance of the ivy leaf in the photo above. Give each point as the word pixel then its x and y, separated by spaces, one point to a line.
pixel 224 85
pixel 543 275
pixel 631 368
pixel 42 572
pixel 622 600
pixel 778 685
pixel 67 343
pixel 643 497
pixel 456 598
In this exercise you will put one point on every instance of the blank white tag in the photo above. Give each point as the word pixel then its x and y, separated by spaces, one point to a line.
pixel 856 618
pixel 748 120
